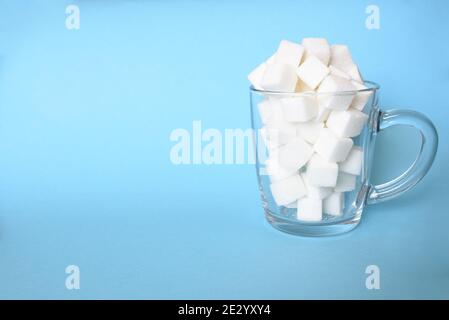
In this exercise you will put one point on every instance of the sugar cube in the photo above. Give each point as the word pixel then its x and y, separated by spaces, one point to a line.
pixel 353 163
pixel 276 119
pixel 321 173
pixel 301 86
pixel 315 192
pixel 287 190
pixel 354 73
pixel 334 204
pixel 289 53
pixel 341 57
pixel 345 182
pixel 271 59
pixel 265 109
pixel 299 109
pixel 309 131
pixel 255 77
pixel 312 71
pixel 263 134
pixel 279 131
pixel 317 47
pixel 348 123
pixel 275 171
pixel 361 98
pixel 279 77
pixel 339 73
pixel 322 113
pixel 331 147
pixel 336 93
pixel 275 138
pixel 309 209
pixel 295 154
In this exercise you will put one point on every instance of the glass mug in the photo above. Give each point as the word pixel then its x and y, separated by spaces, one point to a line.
pixel 284 217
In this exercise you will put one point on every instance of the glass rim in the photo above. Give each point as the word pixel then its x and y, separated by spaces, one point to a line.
pixel 371 86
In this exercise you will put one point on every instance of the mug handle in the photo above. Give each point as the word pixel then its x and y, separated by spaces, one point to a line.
pixel 423 162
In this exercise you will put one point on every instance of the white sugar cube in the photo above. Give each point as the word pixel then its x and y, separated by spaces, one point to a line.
pixel 336 93
pixel 276 119
pixel 279 77
pixel 321 173
pixel 312 71
pixel 345 182
pixel 289 53
pixel 334 204
pixel 271 59
pixel 301 86
pixel 263 133
pixel 348 123
pixel 299 109
pixel 341 57
pixel 275 138
pixel 361 98
pixel 310 131
pixel 295 154
pixel 315 192
pixel 288 190
pixel 339 73
pixel 354 73
pixel 353 163
pixel 309 209
pixel 255 77
pixel 317 47
pixel 322 113
pixel 275 171
pixel 265 108
pixel 279 131
pixel 331 147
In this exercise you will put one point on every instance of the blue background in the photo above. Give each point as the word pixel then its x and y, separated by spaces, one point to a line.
pixel 85 174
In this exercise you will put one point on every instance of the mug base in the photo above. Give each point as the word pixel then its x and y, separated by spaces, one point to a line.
pixel 309 229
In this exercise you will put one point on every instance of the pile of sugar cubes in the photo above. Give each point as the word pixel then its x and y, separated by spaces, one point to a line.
pixel 312 160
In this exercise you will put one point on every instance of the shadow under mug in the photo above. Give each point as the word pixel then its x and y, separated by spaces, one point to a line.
pixel 284 217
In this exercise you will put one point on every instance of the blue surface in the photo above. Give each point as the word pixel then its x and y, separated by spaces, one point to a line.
pixel 85 174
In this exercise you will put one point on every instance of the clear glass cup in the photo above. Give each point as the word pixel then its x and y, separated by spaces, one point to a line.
pixel 284 217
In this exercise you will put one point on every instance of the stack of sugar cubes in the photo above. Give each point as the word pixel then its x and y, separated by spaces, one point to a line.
pixel 312 158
